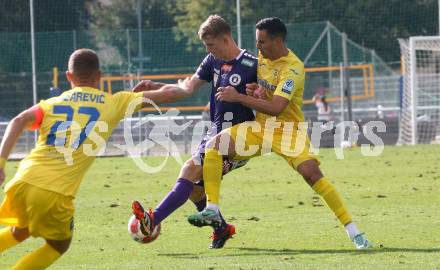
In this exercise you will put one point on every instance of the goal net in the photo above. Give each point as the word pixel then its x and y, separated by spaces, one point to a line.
pixel 420 90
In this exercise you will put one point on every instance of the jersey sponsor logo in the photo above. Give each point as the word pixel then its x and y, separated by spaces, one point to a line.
pixel 247 62
pixel 275 72
pixel 226 68
pixel 288 86
pixel 234 80
pixel 266 85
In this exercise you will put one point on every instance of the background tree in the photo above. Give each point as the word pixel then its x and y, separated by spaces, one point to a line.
pixel 50 15
pixel 375 24
pixel 110 19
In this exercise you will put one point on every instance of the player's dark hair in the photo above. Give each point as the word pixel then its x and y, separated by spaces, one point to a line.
pixel 84 63
pixel 274 27
pixel 214 26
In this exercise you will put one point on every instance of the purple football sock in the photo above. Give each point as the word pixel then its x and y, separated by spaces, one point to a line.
pixel 176 198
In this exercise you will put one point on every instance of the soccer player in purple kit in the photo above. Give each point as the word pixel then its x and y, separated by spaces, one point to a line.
pixel 225 65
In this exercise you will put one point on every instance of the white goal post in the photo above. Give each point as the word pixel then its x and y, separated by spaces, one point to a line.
pixel 420 90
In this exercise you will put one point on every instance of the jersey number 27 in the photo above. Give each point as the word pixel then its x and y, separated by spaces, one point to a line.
pixel 60 126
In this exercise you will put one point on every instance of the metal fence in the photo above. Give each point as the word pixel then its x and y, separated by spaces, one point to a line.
pixel 158 140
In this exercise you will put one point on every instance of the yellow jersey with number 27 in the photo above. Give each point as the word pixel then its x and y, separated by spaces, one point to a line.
pixel 73 127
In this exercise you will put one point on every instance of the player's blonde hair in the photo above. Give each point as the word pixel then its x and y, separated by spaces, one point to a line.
pixel 214 26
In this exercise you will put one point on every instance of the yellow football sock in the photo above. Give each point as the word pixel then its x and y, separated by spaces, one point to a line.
pixel 334 201
pixel 38 259
pixel 212 175
pixel 7 240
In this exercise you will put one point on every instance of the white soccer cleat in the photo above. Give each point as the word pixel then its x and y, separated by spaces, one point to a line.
pixel 361 242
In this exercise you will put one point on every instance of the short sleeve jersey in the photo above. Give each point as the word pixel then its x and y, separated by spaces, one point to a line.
pixel 237 73
pixel 283 77
pixel 72 128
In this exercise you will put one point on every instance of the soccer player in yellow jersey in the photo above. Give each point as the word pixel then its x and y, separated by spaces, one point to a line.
pixel 277 128
pixel 39 199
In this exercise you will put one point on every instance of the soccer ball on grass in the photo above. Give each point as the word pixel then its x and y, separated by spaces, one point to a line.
pixel 134 229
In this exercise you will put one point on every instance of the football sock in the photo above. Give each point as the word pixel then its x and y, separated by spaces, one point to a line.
pixel 212 174
pixel 7 240
pixel 38 259
pixel 351 230
pixel 213 206
pixel 334 201
pixel 176 198
pixel 201 204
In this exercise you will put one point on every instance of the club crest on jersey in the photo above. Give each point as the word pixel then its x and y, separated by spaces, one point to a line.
pixel 288 86
pixel 234 80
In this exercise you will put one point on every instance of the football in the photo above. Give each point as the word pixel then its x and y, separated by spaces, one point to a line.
pixel 134 229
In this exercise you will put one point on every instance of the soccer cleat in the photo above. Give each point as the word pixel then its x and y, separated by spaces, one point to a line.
pixel 146 218
pixel 207 217
pixel 361 242
pixel 219 240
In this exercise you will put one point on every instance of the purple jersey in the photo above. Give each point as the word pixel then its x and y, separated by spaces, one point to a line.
pixel 237 73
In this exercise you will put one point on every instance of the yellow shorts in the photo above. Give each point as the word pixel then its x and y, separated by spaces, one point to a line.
pixel 285 139
pixel 45 213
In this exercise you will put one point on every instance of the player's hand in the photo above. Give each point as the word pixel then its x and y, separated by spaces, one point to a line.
pixel 228 94
pixel 184 84
pixel 260 93
pixel 250 88
pixel 145 85
pixel 2 176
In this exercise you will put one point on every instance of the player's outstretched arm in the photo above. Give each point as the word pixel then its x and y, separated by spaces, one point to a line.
pixel 22 121
pixel 147 85
pixel 173 92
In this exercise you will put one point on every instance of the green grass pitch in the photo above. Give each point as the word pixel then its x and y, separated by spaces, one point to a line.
pixel 281 223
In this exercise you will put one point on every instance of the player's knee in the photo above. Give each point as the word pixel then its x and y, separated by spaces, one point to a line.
pixel 312 178
pixel 20 234
pixel 310 172
pixel 60 245
pixel 191 171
